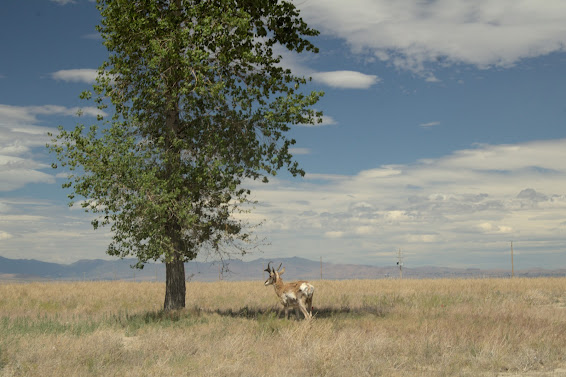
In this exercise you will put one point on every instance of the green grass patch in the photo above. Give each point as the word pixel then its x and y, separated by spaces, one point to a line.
pixel 175 318
pixel 46 325
pixel 270 323
pixel 3 358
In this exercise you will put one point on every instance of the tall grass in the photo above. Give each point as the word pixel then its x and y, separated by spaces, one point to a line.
pixel 361 328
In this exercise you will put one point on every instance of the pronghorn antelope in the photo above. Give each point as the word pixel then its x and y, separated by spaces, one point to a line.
pixel 295 295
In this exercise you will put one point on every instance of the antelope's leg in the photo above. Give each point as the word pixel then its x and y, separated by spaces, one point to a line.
pixel 304 310
pixel 309 305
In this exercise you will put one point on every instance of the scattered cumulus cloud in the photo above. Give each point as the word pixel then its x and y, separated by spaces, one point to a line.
pixel 325 120
pixel 468 205
pixel 432 78
pixel 85 75
pixel 345 79
pixel 299 151
pixel 334 234
pixel 47 228
pixel 429 124
pixel 16 173
pixel 324 177
pixel 414 35
pixel 340 79
pixel 493 228
pixel 422 238
pixel 95 36
pixel 66 111
pixel 21 135
pixel 63 2
pixel 532 195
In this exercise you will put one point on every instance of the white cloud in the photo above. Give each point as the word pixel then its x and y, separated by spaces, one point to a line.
pixel 364 230
pixel 462 208
pixel 324 177
pixel 17 172
pixel 13 179
pixel 42 230
pixel 20 134
pixel 491 228
pixel 62 110
pixel 429 124
pixel 422 238
pixel 299 151
pixel 334 234
pixel 26 115
pixel 432 78
pixel 76 75
pixel 342 79
pixel 95 36
pixel 326 120
pixel 413 34
pixel 63 2
pixel 396 216
pixel 345 79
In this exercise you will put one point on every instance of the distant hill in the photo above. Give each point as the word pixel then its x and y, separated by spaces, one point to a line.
pixel 30 267
pixel 296 268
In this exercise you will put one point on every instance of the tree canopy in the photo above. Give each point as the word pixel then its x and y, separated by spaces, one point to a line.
pixel 199 105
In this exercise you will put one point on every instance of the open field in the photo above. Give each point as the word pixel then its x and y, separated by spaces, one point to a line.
pixel 488 327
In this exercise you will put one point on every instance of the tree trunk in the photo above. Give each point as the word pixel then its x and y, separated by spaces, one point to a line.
pixel 175 288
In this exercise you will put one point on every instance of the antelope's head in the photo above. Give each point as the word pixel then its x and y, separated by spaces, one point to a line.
pixel 274 275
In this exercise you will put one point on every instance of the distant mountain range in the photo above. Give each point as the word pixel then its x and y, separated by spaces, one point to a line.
pixel 296 268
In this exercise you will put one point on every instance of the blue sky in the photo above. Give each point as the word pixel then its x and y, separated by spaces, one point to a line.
pixel 444 134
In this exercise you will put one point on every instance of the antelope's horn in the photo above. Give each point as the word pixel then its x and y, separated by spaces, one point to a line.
pixel 280 264
pixel 268 269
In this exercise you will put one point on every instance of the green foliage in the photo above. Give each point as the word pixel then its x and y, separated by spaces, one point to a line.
pixel 200 106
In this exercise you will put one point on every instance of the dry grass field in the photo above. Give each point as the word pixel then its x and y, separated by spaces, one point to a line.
pixel 491 327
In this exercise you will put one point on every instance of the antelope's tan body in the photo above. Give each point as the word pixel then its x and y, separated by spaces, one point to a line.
pixel 296 295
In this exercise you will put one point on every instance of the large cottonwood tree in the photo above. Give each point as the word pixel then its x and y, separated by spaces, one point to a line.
pixel 199 105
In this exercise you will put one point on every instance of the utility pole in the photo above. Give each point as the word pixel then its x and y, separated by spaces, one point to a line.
pixel 512 262
pixel 400 263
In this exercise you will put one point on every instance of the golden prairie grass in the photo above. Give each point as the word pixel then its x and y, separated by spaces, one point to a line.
pixel 491 327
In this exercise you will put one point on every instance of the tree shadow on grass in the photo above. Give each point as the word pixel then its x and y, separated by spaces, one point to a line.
pixel 318 312
pixel 166 318
pixel 159 317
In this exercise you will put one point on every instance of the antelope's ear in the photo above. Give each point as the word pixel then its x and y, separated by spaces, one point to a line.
pixel 282 271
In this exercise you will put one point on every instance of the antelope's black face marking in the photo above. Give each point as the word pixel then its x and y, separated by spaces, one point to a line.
pixel 271 279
